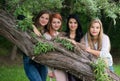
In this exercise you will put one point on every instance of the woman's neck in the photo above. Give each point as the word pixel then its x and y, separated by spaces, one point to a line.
pixel 42 28
pixel 95 39
pixel 53 33
pixel 72 34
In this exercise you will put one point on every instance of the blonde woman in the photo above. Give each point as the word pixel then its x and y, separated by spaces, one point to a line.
pixel 98 43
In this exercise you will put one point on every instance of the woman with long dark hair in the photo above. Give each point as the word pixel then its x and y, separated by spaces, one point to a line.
pixel 74 33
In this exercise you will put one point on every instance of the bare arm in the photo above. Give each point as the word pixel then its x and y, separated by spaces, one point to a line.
pixel 88 49
pixel 104 52
pixel 94 52
pixel 36 31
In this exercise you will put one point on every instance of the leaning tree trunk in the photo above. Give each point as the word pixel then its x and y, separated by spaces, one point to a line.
pixel 77 63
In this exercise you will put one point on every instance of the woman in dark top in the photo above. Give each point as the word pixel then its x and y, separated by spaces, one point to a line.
pixel 74 33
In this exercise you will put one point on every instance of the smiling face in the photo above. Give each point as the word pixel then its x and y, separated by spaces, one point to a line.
pixel 43 20
pixel 95 29
pixel 56 24
pixel 73 25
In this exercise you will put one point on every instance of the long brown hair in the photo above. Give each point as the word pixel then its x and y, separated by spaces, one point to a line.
pixel 36 20
pixel 90 38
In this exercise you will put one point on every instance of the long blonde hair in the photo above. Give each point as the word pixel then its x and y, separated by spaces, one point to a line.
pixel 90 38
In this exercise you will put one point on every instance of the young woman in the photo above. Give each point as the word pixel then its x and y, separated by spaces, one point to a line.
pixel 33 70
pixel 55 25
pixel 41 22
pixel 97 43
pixel 74 33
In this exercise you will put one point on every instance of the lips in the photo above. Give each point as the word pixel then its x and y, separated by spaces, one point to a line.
pixel 43 22
pixel 57 28
pixel 94 32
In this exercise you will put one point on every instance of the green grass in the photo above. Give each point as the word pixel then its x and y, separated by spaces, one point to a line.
pixel 12 73
pixel 117 69
pixel 16 73
pixel 4 52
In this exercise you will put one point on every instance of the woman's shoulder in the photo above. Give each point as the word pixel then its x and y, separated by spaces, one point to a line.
pixel 62 34
pixel 84 38
pixel 105 36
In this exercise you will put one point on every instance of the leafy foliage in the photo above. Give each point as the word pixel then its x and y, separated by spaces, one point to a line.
pixel 99 70
pixel 42 48
pixel 67 44
pixel 94 8
pixel 26 23
pixel 89 7
pixel 86 9
pixel 29 8
pixel 34 6
pixel 5 46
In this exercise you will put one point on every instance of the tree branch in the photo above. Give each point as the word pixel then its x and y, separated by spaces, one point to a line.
pixel 77 62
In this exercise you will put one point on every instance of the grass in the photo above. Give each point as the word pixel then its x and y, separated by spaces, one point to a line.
pixel 117 69
pixel 16 73
pixel 12 73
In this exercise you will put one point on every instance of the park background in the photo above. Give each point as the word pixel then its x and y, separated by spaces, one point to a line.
pixel 11 65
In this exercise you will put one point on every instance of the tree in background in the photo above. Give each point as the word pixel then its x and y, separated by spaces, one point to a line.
pixel 104 9
pixel 107 10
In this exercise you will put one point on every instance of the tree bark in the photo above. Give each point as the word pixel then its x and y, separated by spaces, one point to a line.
pixel 13 53
pixel 77 63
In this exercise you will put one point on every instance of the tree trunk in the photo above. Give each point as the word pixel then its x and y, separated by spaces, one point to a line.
pixel 77 63
pixel 13 53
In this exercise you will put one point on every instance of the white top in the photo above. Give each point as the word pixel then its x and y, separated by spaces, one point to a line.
pixel 48 36
pixel 105 50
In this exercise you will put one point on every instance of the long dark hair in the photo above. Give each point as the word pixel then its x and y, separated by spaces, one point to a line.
pixel 79 33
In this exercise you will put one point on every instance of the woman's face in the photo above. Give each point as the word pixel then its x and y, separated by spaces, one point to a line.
pixel 43 20
pixel 95 29
pixel 56 24
pixel 73 25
